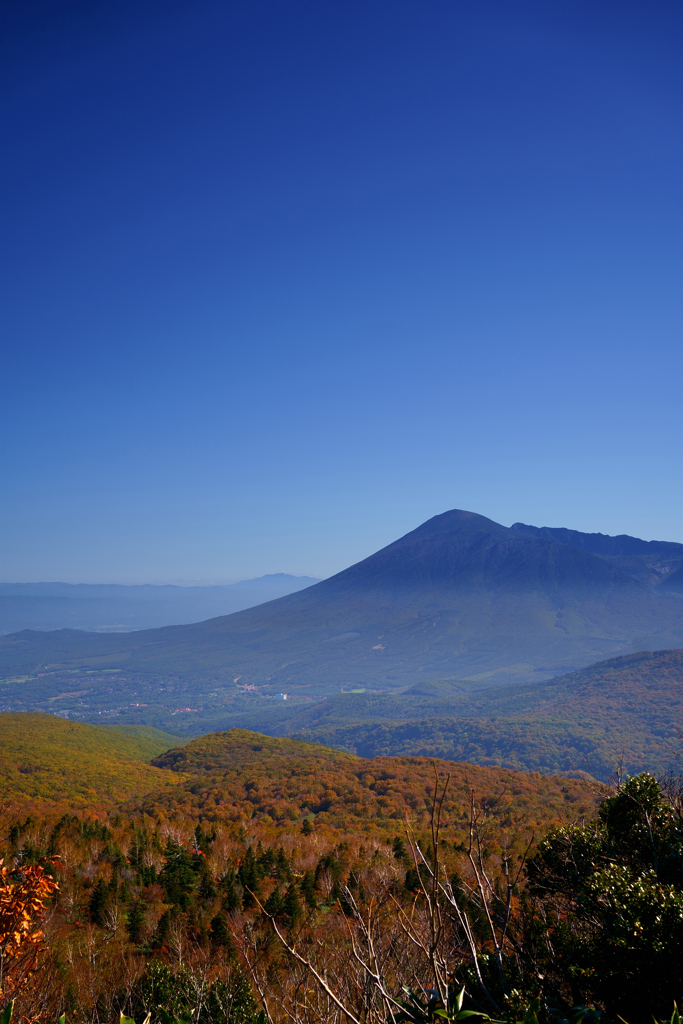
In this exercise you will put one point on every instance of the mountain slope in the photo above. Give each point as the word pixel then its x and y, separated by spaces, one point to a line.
pixel 268 784
pixel 460 596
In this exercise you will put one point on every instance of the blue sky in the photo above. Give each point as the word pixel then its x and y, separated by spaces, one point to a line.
pixel 284 279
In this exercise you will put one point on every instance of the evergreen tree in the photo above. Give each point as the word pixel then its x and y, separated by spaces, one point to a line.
pixel 291 905
pixel 273 904
pixel 308 889
pixel 399 848
pixel 135 920
pixel 97 902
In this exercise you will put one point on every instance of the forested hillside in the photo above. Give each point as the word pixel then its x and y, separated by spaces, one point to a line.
pixel 243 777
pixel 50 766
pixel 625 710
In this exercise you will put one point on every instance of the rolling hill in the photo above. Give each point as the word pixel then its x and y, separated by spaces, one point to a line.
pixel 242 776
pixel 459 598
pixel 156 894
pixel 625 711
pixel 51 767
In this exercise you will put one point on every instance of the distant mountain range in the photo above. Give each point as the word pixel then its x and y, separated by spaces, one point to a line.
pixel 112 608
pixel 461 598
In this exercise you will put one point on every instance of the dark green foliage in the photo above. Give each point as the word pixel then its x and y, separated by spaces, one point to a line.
pixel 638 821
pixel 428 1008
pixel 61 825
pixel 613 890
pixel 91 828
pixel 147 875
pixel 139 844
pixel 207 889
pixel 273 904
pixel 203 839
pixel 412 881
pixel 308 889
pixel 291 905
pixel 249 875
pixel 162 988
pixel 282 866
pixel 98 901
pixel 17 829
pixel 220 936
pixel 135 920
pixel 162 930
pixel 231 1002
pixel 330 863
pixel 230 897
pixel 177 993
pixel 399 848
pixel 179 874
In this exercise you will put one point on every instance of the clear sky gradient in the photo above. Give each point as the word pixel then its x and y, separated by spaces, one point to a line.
pixel 284 279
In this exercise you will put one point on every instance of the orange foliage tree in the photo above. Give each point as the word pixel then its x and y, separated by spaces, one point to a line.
pixel 22 908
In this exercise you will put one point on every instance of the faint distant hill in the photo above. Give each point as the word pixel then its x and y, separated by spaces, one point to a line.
pixel 460 597
pixel 113 608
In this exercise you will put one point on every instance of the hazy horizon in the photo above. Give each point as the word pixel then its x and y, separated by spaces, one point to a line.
pixel 163 583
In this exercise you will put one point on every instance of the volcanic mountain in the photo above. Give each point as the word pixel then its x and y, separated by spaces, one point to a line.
pixel 460 597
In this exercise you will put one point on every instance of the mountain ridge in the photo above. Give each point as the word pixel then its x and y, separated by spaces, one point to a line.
pixel 487 560
pixel 651 561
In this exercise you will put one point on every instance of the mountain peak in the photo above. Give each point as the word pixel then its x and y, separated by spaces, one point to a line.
pixel 465 550
pixel 461 596
pixel 457 519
